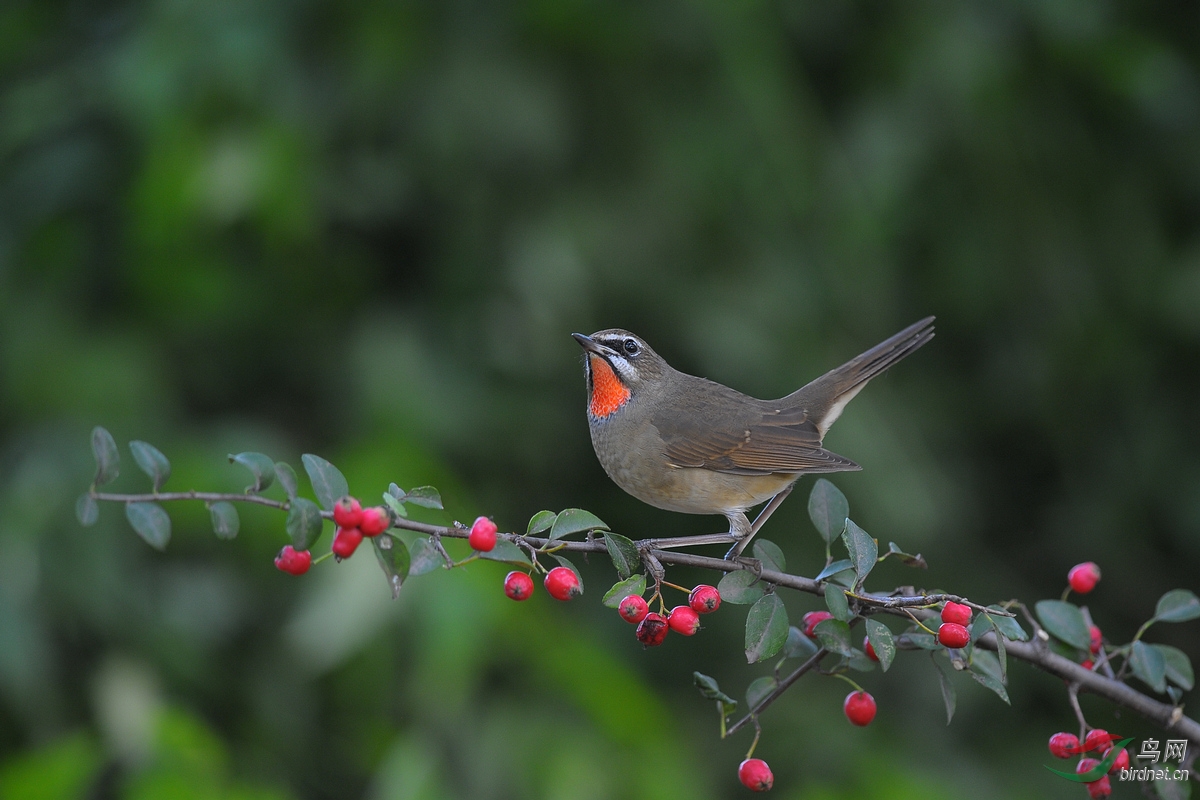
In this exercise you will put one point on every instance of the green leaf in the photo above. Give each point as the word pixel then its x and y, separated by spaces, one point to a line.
pixel 150 522
pixel 859 662
pixel 1065 621
pixel 770 555
pixel 424 496
pixel 766 628
pixel 508 553
pixel 740 587
pixel 862 548
pixel 711 691
pixel 108 460
pixel 834 636
pixel 575 520
pixel 151 461
pixel 949 697
pixel 1008 626
pixel 828 509
pixel 980 626
pixel 880 637
pixel 540 522
pixel 87 510
pixel 1177 605
pixel 635 584
pixel 835 601
pixel 260 466
pixel 841 565
pixel 395 505
pixel 567 563
pixel 798 645
pixel 328 482
pixel 225 520
pixel 1002 657
pixel 907 559
pixel 1149 665
pixel 1178 666
pixel 990 681
pixel 303 523
pixel 624 554
pixel 425 557
pixel 394 560
pixel 287 478
pixel 758 690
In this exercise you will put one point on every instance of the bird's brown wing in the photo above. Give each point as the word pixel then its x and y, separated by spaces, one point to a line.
pixel 758 438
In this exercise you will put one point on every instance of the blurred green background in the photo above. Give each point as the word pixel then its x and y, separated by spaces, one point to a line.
pixel 366 229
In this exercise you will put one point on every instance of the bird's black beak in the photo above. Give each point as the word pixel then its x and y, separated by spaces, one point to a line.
pixel 591 345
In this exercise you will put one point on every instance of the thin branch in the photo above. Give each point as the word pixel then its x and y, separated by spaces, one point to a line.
pixel 779 690
pixel 207 497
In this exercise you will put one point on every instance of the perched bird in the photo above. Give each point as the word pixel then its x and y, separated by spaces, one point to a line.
pixel 689 444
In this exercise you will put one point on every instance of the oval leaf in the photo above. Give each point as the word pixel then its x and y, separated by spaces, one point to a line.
pixel 828 509
pixel 770 555
pixel 766 628
pixel 225 520
pixel 949 697
pixel 303 523
pixel 540 522
pixel 260 466
pixel 1008 626
pixel 1064 621
pixel 880 637
pixel 834 636
pixel 395 505
pixel 87 510
pixel 108 460
pixel 506 552
pixel 740 587
pixel 841 565
pixel 287 478
pixel 1149 665
pixel 328 482
pixel 394 560
pixel 835 601
pixel 798 645
pixel 862 548
pixel 150 522
pixel 575 520
pixel 624 554
pixel 1178 666
pixel 1177 605
pixel 758 690
pixel 711 691
pixel 424 496
pixel 635 584
pixel 151 461
pixel 425 557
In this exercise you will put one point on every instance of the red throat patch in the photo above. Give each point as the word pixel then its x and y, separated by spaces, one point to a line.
pixel 608 393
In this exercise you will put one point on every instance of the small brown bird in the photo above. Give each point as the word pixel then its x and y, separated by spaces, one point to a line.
pixel 689 444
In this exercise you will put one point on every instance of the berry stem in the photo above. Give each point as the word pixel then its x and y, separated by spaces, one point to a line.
pixel 857 688
pixel 677 586
pixel 757 736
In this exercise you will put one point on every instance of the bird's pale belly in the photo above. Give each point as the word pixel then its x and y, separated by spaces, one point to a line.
pixel 687 490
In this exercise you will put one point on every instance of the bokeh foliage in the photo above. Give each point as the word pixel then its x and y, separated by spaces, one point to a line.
pixel 365 230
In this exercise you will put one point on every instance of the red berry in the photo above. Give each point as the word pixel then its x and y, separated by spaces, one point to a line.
pixel 684 619
pixel 1097 739
pixel 292 561
pixel 952 635
pixel 704 599
pixel 483 536
pixel 633 609
pixel 859 707
pixel 1064 745
pixel 1097 640
pixel 956 613
pixel 868 649
pixel 518 585
pixel 1087 664
pixel 346 542
pixel 1083 577
pixel 755 775
pixel 1120 762
pixel 652 630
pixel 347 513
pixel 1099 789
pixel 811 619
pixel 375 520
pixel 563 584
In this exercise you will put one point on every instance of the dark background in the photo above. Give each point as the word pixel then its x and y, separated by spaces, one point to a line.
pixel 366 230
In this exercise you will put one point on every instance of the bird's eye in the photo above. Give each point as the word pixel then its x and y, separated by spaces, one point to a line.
pixel 631 347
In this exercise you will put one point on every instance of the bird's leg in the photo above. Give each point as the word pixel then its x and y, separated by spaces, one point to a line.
pixel 759 521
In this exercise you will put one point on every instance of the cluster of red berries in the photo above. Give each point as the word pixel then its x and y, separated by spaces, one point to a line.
pixel 953 631
pixel 1098 740
pixel 652 627
pixel 353 521
pixel 561 583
